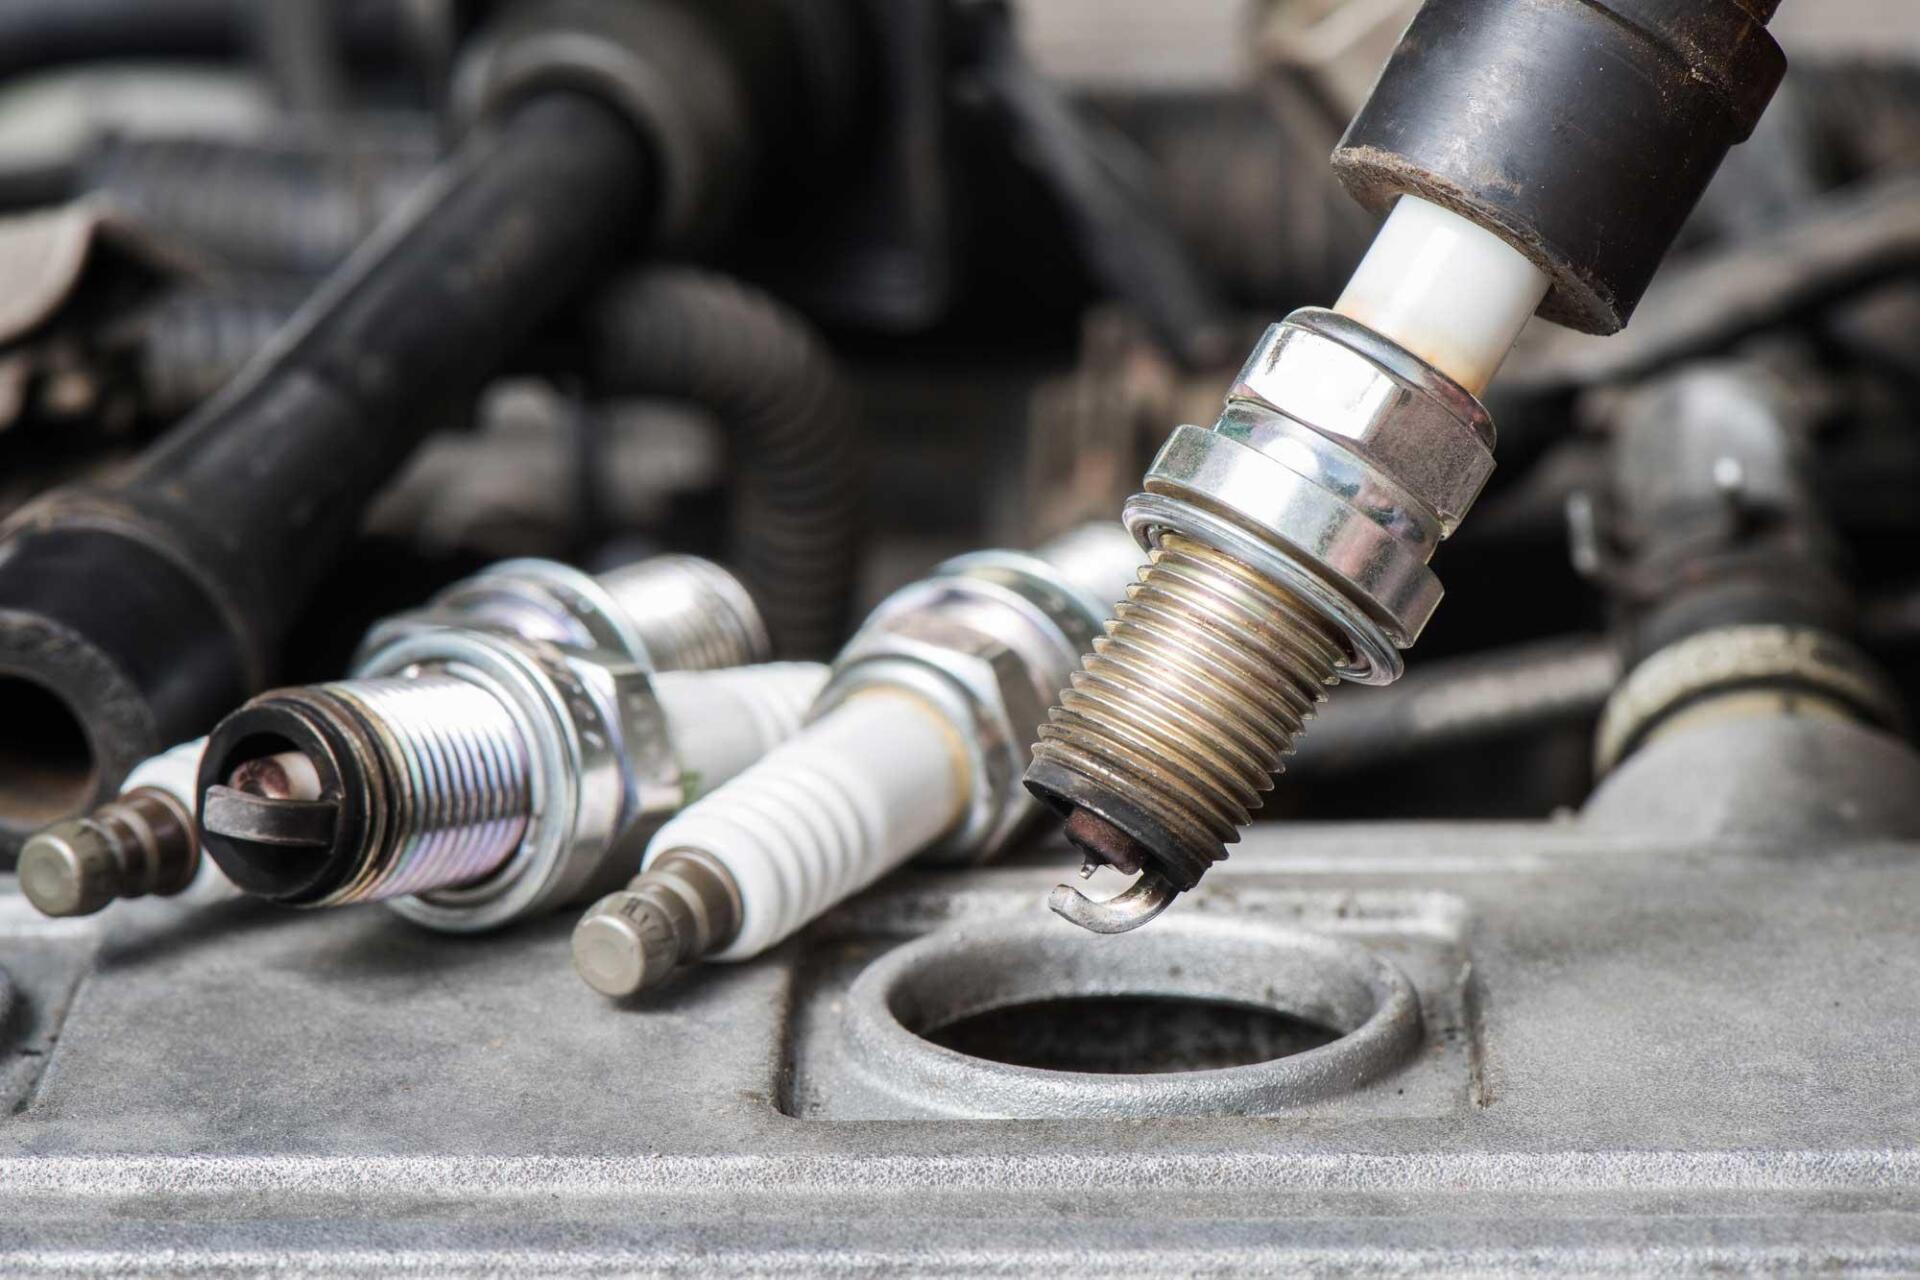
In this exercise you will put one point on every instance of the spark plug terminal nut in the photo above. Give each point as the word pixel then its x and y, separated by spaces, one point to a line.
pixel 143 842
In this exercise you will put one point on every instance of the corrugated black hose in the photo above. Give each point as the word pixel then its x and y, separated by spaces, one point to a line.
pixel 685 334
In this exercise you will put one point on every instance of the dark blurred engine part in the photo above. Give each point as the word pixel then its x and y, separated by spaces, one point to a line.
pixel 1457 704
pixel 377 35
pixel 540 473
pixel 789 420
pixel 289 205
pixel 137 614
pixel 1728 577
pixel 1108 196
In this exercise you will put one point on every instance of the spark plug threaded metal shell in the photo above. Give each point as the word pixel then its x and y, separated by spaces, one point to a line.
pixel 1289 551
pixel 471 777
pixel 1224 668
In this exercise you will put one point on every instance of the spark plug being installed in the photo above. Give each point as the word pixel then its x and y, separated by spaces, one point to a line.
pixel 1536 155
pixel 915 747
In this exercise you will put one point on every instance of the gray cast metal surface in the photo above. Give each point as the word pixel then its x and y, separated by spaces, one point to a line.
pixel 1676 1035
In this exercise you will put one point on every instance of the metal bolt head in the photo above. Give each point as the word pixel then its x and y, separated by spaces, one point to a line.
pixel 625 945
pixel 69 870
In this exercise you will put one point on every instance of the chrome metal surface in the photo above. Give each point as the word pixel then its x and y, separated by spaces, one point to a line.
pixel 595 756
pixel 1141 902
pixel 466 804
pixel 669 613
pixel 1343 381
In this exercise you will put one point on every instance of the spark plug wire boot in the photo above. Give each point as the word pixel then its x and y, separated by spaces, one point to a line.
pixel 915 747
pixel 1290 543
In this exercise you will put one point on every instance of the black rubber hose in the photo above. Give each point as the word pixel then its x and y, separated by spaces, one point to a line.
pixel 764 372
pixel 152 608
pixel 278 206
pixel 190 342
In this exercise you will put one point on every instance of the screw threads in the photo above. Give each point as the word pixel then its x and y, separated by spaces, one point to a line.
pixel 691 614
pixel 461 784
pixel 1193 700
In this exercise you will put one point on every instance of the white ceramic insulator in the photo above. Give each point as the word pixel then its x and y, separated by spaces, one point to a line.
pixel 176 771
pixel 1446 289
pixel 720 722
pixel 862 790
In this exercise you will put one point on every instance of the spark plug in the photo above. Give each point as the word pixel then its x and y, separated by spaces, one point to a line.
pixel 1536 155
pixel 914 747
pixel 670 613
pixel 470 777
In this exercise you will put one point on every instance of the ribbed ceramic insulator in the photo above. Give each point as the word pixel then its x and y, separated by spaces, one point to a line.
pixel 721 722
pixel 852 797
